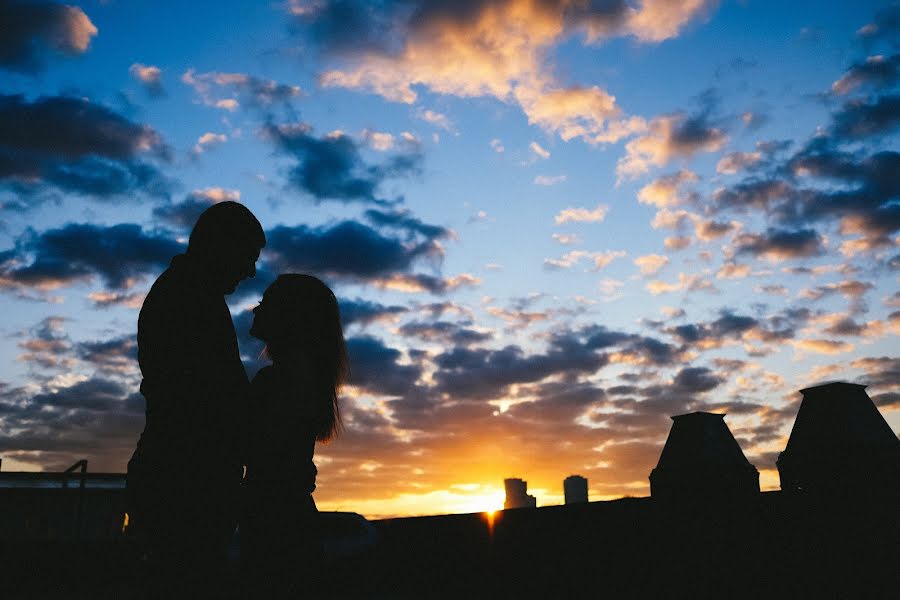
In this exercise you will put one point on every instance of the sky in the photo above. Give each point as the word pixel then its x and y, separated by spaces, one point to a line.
pixel 551 225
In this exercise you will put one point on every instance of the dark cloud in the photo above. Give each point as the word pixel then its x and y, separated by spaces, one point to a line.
pixel 98 419
pixel 74 145
pixel 47 346
pixel 351 26
pixel 375 368
pixel 119 255
pixel 559 403
pixel 881 371
pixel 884 27
pixel 780 244
pixel 630 347
pixel 364 312
pixel 30 30
pixel 730 326
pixel 241 88
pixel 403 220
pixel 887 399
pixel 182 214
pixel 113 355
pixel 693 133
pixel 476 373
pixel 332 167
pixel 347 248
pixel 753 193
pixel 828 179
pixel 875 72
pixel 348 27
pixel 695 380
pixel 444 331
pixel 860 119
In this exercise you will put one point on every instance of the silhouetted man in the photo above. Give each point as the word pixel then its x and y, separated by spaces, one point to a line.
pixel 184 476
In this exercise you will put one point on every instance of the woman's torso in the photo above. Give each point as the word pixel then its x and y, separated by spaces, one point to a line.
pixel 281 440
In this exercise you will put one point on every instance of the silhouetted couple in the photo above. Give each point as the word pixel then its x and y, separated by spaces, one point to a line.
pixel 205 422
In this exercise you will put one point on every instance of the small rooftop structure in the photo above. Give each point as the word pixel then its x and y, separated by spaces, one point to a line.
pixel 702 460
pixel 840 443
pixel 575 489
pixel 517 495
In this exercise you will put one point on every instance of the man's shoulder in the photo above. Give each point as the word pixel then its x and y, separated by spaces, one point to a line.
pixel 173 287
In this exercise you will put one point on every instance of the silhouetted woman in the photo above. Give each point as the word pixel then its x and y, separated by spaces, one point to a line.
pixel 294 403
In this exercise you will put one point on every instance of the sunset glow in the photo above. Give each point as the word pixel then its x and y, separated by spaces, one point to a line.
pixel 551 224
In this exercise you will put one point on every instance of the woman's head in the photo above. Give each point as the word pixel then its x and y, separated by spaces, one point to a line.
pixel 299 320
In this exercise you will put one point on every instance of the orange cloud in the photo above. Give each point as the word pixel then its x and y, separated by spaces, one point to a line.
pixel 663 192
pixel 499 49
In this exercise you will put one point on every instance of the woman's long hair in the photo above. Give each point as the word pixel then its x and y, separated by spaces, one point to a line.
pixel 309 329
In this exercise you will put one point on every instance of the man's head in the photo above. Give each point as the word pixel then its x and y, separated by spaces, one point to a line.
pixel 227 239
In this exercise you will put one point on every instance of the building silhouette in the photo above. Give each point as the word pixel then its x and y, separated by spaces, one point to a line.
pixel 517 495
pixel 840 443
pixel 702 460
pixel 575 489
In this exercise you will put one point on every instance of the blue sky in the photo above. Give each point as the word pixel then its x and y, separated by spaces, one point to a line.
pixel 551 225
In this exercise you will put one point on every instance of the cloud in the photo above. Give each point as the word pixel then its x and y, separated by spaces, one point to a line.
pixel 663 192
pixel 651 264
pixel 497 146
pixel 120 255
pixel 731 270
pixel 74 145
pixel 670 219
pixel 420 282
pixel 379 140
pixel 549 179
pixel 885 26
pixel 31 30
pixel 730 326
pixel 403 221
pixel 102 299
pixel 477 373
pixel 582 215
pixel 209 140
pixel 823 346
pixel 348 249
pixel 446 332
pixel 685 283
pixel 332 168
pixel 116 355
pixel 150 77
pixel 881 371
pixel 364 312
pixel 375 367
pixel 670 136
pixel 184 214
pixel 435 118
pixel 708 230
pixel 243 89
pixel 780 244
pixel 566 239
pixel 824 182
pixel 487 48
pixel 737 161
pixel 95 418
pixel 876 72
pixel 860 119
pixel 47 346
pixel 538 150
pixel 570 259
pixel 677 242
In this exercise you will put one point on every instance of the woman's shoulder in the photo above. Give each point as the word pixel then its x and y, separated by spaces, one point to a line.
pixel 281 390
